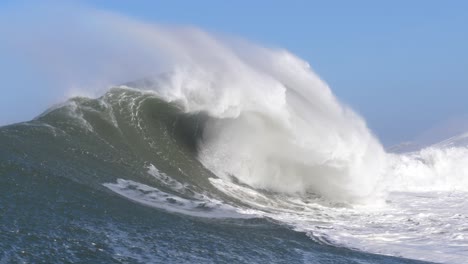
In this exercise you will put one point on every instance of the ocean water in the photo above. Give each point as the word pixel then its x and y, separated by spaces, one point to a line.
pixel 119 179
pixel 223 152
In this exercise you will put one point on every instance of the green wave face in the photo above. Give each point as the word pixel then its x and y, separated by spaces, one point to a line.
pixel 118 135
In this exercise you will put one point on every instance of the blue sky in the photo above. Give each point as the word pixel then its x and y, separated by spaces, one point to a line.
pixel 403 65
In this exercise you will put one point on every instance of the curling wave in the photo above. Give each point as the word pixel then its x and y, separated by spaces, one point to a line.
pixel 135 144
pixel 275 125
pixel 237 130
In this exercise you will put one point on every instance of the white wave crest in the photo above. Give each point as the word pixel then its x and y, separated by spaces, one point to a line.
pixel 275 125
pixel 430 169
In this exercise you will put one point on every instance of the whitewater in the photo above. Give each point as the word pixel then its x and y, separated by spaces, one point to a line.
pixel 274 140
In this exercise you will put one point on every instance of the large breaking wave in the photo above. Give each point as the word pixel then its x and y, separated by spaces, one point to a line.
pixel 225 128
pixel 277 126
pixel 418 196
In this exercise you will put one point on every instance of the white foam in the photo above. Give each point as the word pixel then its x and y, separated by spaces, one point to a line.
pixel 164 179
pixel 430 226
pixel 153 197
pixel 430 169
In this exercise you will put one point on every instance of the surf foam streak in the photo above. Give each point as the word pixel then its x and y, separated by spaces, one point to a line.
pixel 153 197
pixel 184 200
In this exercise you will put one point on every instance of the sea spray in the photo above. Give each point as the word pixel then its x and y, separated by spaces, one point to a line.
pixel 278 129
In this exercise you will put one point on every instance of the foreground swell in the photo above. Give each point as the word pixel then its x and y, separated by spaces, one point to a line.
pixel 54 220
pixel 64 174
